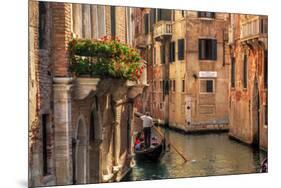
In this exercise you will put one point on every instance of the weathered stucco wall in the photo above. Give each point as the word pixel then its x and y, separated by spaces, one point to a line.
pixel 248 104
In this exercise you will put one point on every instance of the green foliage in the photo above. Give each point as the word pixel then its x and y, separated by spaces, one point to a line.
pixel 105 57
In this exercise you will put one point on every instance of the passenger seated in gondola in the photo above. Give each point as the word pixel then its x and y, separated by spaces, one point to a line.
pixel 154 141
pixel 139 142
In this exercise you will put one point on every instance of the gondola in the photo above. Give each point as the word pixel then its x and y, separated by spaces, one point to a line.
pixel 153 153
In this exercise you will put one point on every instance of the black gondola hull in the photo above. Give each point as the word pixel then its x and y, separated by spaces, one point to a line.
pixel 151 154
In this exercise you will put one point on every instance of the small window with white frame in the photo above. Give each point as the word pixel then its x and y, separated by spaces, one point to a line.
pixel 207 86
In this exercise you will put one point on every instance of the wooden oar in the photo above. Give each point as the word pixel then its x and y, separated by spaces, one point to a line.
pixel 161 134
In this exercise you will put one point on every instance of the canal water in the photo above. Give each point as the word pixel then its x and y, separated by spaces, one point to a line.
pixel 208 154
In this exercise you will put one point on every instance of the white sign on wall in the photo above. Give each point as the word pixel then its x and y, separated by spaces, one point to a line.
pixel 205 74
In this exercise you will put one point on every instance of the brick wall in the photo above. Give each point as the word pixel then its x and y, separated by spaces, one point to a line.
pixel 61 31
pixel 120 24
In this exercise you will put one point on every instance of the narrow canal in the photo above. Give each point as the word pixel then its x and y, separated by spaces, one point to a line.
pixel 209 154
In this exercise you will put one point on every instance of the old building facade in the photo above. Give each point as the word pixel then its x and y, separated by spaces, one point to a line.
pixel 187 67
pixel 248 84
pixel 80 129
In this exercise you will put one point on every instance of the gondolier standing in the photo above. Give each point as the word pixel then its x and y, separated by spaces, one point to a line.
pixel 147 124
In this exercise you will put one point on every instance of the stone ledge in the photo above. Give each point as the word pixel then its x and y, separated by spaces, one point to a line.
pixel 102 86
pixel 49 180
pixel 84 86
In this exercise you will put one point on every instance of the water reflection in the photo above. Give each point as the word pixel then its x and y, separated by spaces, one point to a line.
pixel 209 154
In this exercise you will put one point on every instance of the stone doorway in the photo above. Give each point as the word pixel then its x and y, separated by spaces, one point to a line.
pixel 80 167
pixel 94 147
pixel 255 115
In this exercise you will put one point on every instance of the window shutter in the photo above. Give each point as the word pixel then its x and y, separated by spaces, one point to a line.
pixel 180 49
pixel 201 49
pixel 166 86
pixel 265 65
pixel 159 11
pixel 233 72
pixel 172 52
pixel 146 22
pixel 214 49
pixel 151 17
pixel 163 54
pixel 113 21
pixel 154 16
pixel 166 14
pixel 245 79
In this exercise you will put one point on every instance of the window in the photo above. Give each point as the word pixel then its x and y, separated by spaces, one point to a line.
pixel 232 71
pixel 161 85
pixel 171 85
pixel 265 69
pixel 44 143
pixel 202 14
pixel 42 24
pixel 206 86
pixel 182 13
pixel 153 15
pixel 113 21
pixel 172 52
pixel 245 69
pixel 146 24
pixel 164 14
pixel 207 49
pixel 163 55
pixel 180 49
pixel 183 86
pixel 263 25
pixel 174 85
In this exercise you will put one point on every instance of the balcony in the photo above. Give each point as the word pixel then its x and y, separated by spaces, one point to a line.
pixel 162 30
pixel 255 28
pixel 141 41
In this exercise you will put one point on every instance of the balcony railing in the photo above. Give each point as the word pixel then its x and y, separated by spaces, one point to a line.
pixel 162 29
pixel 254 28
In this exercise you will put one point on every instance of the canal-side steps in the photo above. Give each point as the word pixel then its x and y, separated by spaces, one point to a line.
pixel 200 128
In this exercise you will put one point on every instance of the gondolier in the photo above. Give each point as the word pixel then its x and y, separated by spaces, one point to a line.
pixel 147 124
